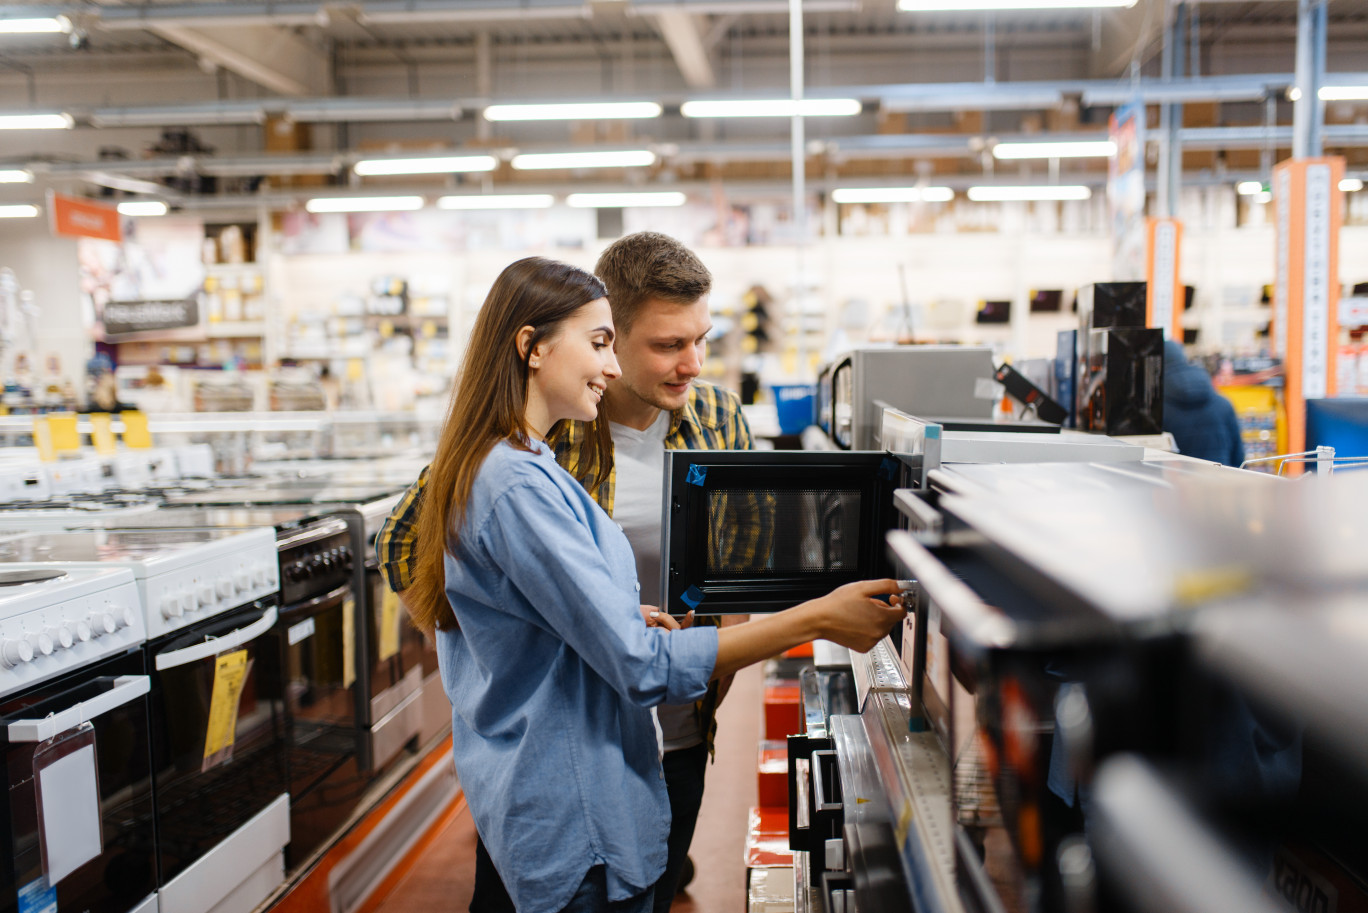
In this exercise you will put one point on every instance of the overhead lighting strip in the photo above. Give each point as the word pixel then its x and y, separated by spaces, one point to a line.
pixel 45 121
pixel 35 26
pixel 450 164
pixel 143 208
pixel 772 107
pixel 628 158
pixel 18 211
pixel 966 6
pixel 15 176
pixel 627 110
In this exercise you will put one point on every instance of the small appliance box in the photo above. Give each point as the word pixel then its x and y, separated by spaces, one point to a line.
pixel 1111 304
pixel 1122 388
pixel 1065 370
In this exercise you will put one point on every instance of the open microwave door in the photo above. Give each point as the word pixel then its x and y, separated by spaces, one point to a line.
pixel 759 531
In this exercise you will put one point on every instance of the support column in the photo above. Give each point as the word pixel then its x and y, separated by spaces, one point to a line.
pixel 1308 111
pixel 799 156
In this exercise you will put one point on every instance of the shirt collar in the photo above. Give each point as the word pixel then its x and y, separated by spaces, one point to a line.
pixel 686 413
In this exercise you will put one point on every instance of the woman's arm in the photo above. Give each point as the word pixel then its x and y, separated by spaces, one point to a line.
pixel 849 615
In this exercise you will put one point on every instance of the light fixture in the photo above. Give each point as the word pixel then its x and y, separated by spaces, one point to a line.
pixel 143 208
pixel 449 164
pixel 962 6
pixel 1263 196
pixel 625 200
pixel 35 26
pixel 892 194
pixel 364 204
pixel 586 111
pixel 1248 188
pixel 15 176
pixel 627 158
pixel 123 182
pixel 995 194
pixel 18 211
pixel 772 107
pixel 1351 185
pixel 1343 93
pixel 497 201
pixel 51 121
pixel 1294 94
pixel 1066 150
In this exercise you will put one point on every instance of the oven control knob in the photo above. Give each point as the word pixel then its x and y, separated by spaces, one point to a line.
pixel 187 600
pixel 261 576
pixel 102 623
pixel 15 652
pixel 206 594
pixel 41 643
pixel 225 587
pixel 242 580
pixel 82 631
pixel 61 635
pixel 171 606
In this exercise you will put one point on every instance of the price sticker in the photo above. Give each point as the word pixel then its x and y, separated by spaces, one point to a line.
pixel 230 672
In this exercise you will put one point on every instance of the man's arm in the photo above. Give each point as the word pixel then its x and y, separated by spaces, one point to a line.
pixel 395 544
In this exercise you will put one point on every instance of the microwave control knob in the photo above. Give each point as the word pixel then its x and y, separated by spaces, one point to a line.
pixel 171 607
pixel 61 635
pixel 83 632
pixel 15 652
pixel 102 623
pixel 41 643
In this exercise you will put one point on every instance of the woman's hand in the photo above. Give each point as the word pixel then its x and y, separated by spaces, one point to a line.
pixel 853 617
pixel 658 619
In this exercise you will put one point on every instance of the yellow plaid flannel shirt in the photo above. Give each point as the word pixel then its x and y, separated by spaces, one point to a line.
pixel 710 419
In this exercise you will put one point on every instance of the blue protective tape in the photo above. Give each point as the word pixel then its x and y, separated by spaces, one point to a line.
pixel 692 597
pixel 38 897
pixel 697 474
pixel 887 467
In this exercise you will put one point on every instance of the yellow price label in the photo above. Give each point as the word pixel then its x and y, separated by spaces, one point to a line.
pixel 386 329
pixel 388 635
pixel 428 329
pixel 348 641
pixel 230 672
pixel 136 436
pixel 356 369
pixel 42 439
pixel 64 434
pixel 102 433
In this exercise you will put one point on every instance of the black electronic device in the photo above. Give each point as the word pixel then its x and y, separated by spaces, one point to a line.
pixel 994 312
pixel 1046 299
pixel 1020 388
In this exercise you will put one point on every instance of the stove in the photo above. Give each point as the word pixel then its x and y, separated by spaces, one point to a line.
pixel 28 500
pixel 183 575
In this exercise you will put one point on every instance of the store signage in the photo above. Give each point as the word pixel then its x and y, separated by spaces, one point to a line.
pixel 123 317
pixel 1163 292
pixel 75 217
pixel 1316 294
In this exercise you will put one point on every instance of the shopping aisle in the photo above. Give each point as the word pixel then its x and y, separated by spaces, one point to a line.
pixel 443 878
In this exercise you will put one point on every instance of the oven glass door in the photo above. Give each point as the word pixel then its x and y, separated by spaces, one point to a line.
pixel 394 646
pixel 203 793
pixel 112 697
pixel 760 531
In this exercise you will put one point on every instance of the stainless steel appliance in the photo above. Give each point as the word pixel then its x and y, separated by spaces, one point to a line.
pixel 77 804
pixel 218 724
pixel 932 381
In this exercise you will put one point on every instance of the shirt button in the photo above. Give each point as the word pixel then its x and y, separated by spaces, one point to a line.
pixel 638 586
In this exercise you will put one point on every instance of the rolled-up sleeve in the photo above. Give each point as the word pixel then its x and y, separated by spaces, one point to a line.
pixel 540 545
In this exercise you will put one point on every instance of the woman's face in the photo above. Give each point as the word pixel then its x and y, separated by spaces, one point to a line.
pixel 571 369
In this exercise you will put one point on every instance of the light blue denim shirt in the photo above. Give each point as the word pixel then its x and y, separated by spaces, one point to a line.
pixel 551 675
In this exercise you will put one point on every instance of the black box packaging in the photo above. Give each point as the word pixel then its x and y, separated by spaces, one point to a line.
pixel 1066 369
pixel 1123 384
pixel 1111 304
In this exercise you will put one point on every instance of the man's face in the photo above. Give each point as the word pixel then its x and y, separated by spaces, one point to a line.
pixel 663 352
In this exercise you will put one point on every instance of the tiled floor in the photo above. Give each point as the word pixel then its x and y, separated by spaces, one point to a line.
pixel 442 880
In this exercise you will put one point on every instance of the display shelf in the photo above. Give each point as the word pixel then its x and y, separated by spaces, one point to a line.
pixel 236 329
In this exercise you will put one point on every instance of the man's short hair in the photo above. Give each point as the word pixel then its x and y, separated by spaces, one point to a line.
pixel 646 265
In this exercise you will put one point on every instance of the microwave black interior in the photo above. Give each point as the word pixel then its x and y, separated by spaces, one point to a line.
pixel 760 531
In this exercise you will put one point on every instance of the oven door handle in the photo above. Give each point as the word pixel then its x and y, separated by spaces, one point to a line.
pixel 126 688
pixel 234 638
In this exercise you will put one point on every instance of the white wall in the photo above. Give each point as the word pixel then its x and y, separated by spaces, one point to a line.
pixel 47 265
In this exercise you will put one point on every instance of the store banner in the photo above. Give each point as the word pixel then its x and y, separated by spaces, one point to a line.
pixel 1308 210
pixel 1164 294
pixel 1126 192
pixel 75 217
pixel 124 317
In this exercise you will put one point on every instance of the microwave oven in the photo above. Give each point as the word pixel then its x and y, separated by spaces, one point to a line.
pixel 933 381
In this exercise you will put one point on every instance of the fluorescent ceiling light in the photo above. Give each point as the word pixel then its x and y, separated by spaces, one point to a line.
pixel 772 107
pixel 629 158
pixel 443 165
pixel 15 176
pixel 625 200
pixel 1351 185
pixel 363 204
pixel 142 208
pixel 122 182
pixel 588 111
pixel 892 194
pixel 497 201
pixel 1100 149
pixel 1263 197
pixel 991 194
pixel 925 6
pixel 1343 93
pixel 60 121
pixel 47 24
pixel 18 211
pixel 1248 188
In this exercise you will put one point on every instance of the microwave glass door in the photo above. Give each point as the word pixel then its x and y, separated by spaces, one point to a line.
pixel 843 404
pixel 760 531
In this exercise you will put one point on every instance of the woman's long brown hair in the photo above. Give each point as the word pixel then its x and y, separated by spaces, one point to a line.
pixel 488 405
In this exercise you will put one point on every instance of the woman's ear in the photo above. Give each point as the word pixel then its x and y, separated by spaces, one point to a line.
pixel 524 341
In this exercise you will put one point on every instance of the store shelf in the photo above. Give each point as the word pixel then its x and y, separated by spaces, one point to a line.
pixel 236 329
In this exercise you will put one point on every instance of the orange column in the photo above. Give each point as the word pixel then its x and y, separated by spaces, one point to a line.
pixel 1307 213
pixel 1163 287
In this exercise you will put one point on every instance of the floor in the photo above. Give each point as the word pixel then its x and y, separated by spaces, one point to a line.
pixel 442 879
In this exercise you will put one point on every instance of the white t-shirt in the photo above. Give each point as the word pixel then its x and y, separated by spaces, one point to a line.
pixel 639 457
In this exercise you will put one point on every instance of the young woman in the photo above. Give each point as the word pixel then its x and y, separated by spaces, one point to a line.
pixel 545 654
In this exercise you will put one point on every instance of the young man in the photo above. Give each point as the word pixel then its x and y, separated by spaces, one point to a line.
pixel 658 291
